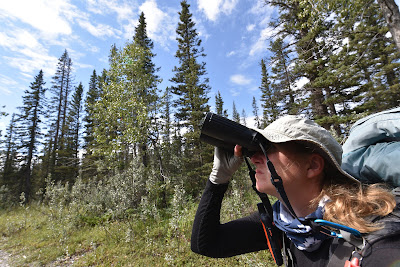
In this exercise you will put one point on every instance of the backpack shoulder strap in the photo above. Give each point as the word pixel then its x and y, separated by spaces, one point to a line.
pixel 340 252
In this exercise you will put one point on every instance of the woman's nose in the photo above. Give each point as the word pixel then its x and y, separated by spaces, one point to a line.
pixel 258 157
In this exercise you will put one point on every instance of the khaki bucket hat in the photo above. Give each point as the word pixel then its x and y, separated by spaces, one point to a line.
pixel 297 128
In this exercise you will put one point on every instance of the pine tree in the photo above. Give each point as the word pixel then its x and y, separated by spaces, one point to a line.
pixel 92 96
pixel 30 120
pixel 73 136
pixel 342 50
pixel 219 105
pixel 89 168
pixel 235 113
pixel 282 76
pixel 269 98
pixel 121 113
pixel 149 95
pixel 3 113
pixel 255 113
pixel 10 169
pixel 61 88
pixel 191 89
pixel 378 62
pixel 244 117
pixel 392 15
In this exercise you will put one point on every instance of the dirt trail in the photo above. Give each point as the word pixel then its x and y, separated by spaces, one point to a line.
pixel 4 256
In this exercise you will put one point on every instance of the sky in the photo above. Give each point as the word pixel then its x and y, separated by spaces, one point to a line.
pixel 35 33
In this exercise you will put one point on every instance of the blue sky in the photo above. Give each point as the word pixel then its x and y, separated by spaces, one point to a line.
pixel 35 33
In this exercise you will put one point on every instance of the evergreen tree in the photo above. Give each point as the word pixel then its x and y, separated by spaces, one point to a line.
pixel 282 76
pixel 219 105
pixel 2 113
pixel 121 113
pixel 61 88
pixel 392 15
pixel 269 99
pixel 30 121
pixel 244 117
pixel 10 169
pixel 235 113
pixel 73 137
pixel 89 168
pixel 377 62
pixel 148 95
pixel 191 89
pixel 305 27
pixel 343 53
pixel 255 113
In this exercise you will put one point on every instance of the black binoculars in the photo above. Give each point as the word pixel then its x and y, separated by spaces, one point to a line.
pixel 222 132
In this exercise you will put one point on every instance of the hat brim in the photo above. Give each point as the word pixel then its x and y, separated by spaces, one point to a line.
pixel 275 137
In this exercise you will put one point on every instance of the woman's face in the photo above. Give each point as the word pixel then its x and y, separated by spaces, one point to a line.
pixel 289 164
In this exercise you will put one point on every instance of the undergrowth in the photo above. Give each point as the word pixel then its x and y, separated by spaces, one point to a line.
pixel 115 222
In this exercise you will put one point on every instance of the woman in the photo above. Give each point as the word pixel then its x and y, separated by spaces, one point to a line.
pixel 306 158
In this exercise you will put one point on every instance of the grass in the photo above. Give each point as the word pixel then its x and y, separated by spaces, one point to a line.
pixel 36 238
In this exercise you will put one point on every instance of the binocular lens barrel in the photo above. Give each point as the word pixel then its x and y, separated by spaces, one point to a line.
pixel 222 132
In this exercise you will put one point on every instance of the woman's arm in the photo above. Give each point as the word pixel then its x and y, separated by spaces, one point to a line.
pixel 210 238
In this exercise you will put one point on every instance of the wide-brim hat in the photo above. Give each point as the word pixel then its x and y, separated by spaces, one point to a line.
pixel 300 129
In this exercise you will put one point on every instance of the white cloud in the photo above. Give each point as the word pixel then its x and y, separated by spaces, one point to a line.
pixel 234 92
pixel 161 25
pixel 100 30
pixel 261 44
pixel 240 79
pixel 250 27
pixel 154 16
pixel 6 84
pixel 231 53
pixel 32 61
pixel 44 15
pixel 124 10
pixel 212 8
pixel 29 55
pixel 263 13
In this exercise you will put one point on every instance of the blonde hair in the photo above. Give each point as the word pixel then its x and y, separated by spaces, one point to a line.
pixel 354 204
pixel 351 204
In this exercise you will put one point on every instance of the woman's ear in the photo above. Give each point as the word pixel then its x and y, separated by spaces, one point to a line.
pixel 316 165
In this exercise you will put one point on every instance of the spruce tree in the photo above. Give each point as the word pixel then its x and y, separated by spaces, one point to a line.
pixel 244 117
pixel 219 105
pixel 148 94
pixel 282 75
pixel 74 131
pixel 269 98
pixel 89 168
pixel 10 177
pixel 121 113
pixel 235 113
pixel 191 89
pixel 61 88
pixel 255 113
pixel 30 120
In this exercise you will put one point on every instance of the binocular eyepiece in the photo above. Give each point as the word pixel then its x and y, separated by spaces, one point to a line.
pixel 222 132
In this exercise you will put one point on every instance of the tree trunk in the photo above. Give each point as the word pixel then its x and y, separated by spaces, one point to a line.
pixel 392 16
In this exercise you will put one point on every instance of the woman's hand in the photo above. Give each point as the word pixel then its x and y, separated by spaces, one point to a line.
pixel 225 164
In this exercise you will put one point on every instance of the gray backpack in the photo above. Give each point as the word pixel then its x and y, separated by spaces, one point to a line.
pixel 371 152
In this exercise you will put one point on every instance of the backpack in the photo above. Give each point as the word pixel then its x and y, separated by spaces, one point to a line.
pixel 371 154
pixel 372 148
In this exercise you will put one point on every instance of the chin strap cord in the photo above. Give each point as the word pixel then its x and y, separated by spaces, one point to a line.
pixel 266 216
pixel 266 212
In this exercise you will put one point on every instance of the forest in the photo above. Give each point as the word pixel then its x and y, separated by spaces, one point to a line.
pixel 127 154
